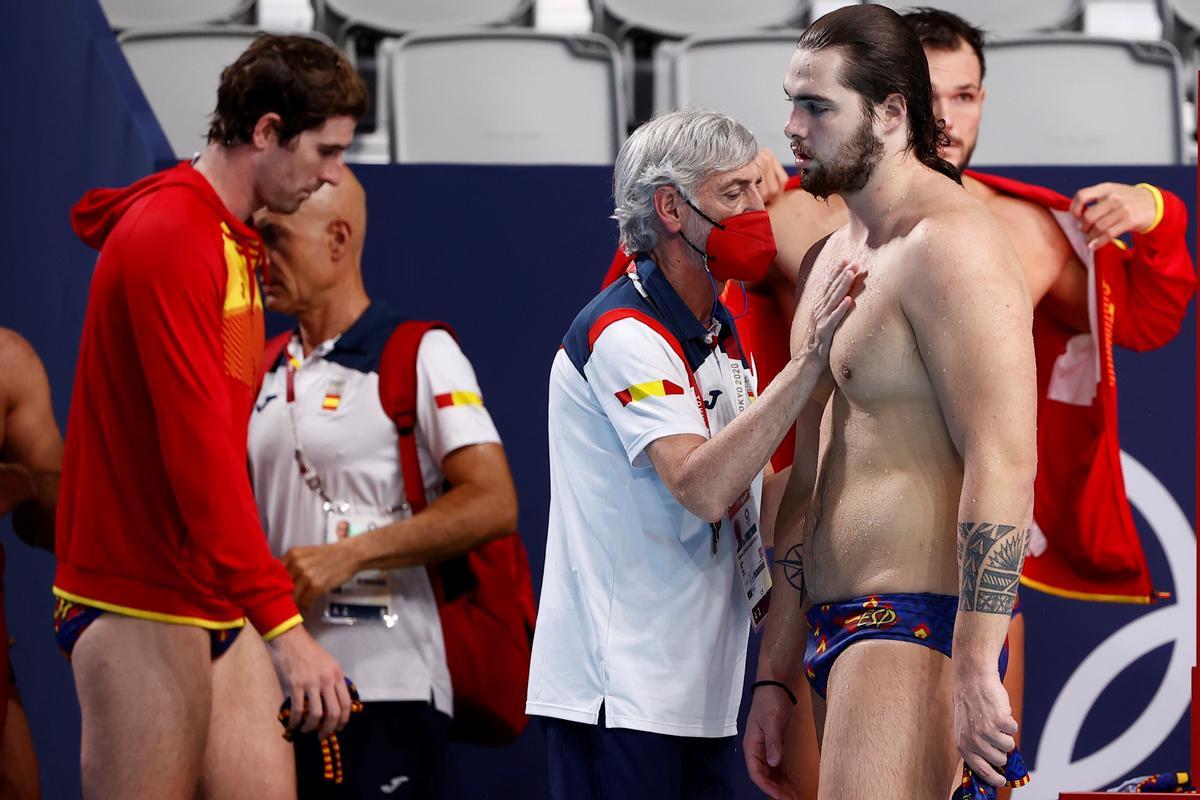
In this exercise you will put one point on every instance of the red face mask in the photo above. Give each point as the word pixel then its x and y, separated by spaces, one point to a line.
pixel 739 248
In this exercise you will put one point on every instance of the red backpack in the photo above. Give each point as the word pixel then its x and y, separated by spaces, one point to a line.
pixel 485 597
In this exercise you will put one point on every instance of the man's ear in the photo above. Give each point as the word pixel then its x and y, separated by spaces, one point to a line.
pixel 266 130
pixel 338 233
pixel 893 111
pixel 666 204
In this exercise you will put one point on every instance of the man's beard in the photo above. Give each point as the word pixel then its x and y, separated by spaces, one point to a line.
pixel 850 169
pixel 966 159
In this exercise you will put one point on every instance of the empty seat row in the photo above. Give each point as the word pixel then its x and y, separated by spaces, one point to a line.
pixel 523 96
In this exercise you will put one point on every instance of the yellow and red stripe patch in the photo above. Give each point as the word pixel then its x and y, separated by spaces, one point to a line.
pixel 331 402
pixel 640 391
pixel 450 399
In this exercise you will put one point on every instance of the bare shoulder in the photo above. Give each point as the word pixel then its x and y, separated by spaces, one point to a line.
pixel 960 258
pixel 16 354
pixel 22 375
pixel 962 239
pixel 799 220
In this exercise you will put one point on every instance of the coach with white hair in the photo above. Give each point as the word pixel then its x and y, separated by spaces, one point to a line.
pixel 654 563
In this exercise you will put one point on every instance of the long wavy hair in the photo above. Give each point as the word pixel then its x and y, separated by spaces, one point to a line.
pixel 882 55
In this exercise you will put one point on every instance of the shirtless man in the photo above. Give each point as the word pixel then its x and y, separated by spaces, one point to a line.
pixel 920 491
pixel 30 459
pixel 1157 271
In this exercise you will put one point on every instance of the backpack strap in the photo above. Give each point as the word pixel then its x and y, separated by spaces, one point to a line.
pixel 398 394
pixel 274 348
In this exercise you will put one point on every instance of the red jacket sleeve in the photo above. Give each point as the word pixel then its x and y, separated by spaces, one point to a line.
pixel 176 284
pixel 1153 281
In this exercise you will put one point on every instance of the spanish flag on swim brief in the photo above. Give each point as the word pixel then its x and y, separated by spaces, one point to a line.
pixel 640 391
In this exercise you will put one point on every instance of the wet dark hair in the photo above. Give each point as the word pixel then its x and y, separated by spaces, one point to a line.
pixel 302 79
pixel 882 56
pixel 941 30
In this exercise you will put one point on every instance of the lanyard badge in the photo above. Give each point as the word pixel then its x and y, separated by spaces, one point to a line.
pixel 751 557
pixel 367 597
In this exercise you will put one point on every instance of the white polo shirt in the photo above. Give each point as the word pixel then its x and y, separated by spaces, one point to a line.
pixel 352 443
pixel 636 611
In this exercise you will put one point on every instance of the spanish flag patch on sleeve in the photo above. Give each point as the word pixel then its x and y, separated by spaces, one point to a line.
pixel 450 399
pixel 640 391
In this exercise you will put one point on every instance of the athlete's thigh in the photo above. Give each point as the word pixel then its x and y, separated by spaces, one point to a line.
pixel 144 692
pixel 247 756
pixel 18 762
pixel 801 750
pixel 889 724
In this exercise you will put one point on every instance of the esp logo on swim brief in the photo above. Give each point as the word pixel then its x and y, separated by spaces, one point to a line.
pixel 875 618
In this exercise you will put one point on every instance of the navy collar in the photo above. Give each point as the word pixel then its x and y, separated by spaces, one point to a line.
pixel 357 338
pixel 675 313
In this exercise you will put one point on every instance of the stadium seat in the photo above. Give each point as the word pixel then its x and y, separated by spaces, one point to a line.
pixel 1123 106
pixel 179 70
pixel 680 18
pixel 740 74
pixel 1009 16
pixel 504 96
pixel 123 14
pixel 393 18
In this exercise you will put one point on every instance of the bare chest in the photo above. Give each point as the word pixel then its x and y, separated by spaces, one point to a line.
pixel 874 355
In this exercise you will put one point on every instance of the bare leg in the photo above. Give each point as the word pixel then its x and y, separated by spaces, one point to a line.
pixel 1014 679
pixel 145 690
pixel 889 724
pixel 801 755
pixel 18 762
pixel 247 756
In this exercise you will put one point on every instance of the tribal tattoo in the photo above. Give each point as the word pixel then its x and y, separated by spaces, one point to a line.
pixel 991 557
pixel 793 570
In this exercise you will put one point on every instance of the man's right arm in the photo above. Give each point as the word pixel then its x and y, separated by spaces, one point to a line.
pixel 176 291
pixel 707 475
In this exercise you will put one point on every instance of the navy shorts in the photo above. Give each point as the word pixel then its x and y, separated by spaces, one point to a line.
pixel 391 749
pixel 592 762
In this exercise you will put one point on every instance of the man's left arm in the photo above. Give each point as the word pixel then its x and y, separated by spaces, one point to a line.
pixel 971 315
pixel 480 505
pixel 32 444
pixel 1156 279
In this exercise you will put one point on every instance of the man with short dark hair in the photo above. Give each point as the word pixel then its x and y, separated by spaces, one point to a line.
pixel 161 557
pixel 907 525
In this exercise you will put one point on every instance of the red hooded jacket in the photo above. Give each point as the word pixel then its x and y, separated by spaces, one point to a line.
pixel 156 518
pixel 1088 546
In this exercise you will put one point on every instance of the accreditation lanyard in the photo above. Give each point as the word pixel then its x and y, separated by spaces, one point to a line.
pixel 367 596
pixel 308 473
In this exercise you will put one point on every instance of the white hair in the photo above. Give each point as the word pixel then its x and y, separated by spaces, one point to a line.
pixel 681 149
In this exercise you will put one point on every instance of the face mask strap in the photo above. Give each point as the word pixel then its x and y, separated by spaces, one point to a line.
pixel 696 208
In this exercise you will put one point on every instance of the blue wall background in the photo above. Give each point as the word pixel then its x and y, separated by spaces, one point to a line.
pixel 508 255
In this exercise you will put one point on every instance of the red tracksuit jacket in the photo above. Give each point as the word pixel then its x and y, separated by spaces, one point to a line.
pixel 156 517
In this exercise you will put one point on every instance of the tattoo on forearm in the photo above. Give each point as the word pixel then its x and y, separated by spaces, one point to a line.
pixel 991 557
pixel 793 570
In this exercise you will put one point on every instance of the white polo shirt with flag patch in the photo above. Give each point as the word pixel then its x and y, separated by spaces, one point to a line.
pixel 637 614
pixel 352 444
